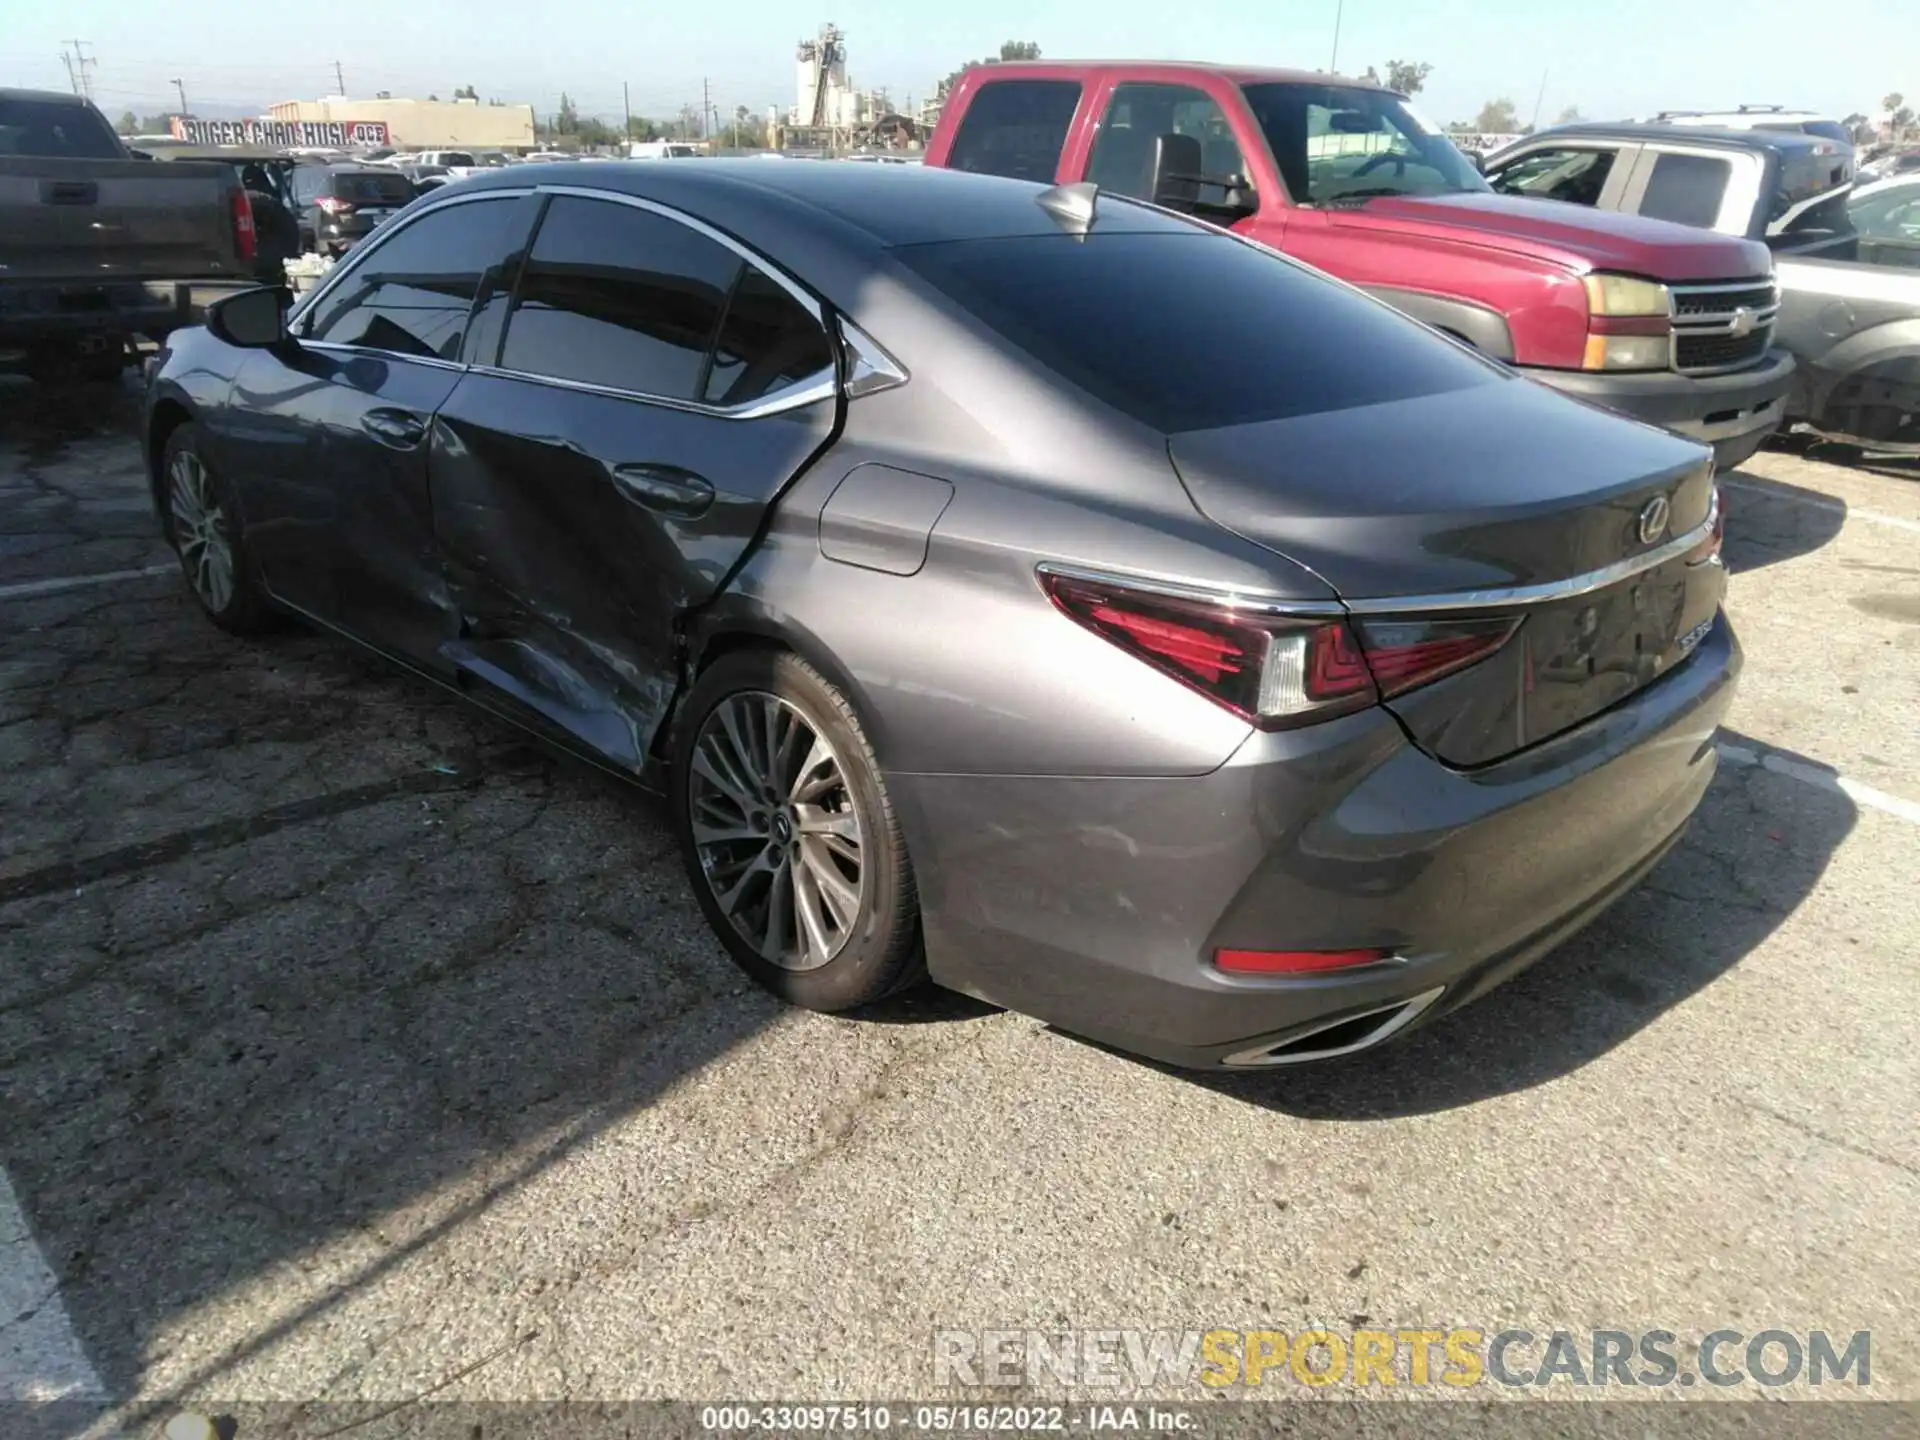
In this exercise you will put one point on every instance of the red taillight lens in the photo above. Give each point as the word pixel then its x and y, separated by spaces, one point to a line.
pixel 1272 671
pixel 1293 962
pixel 334 205
pixel 243 236
pixel 1405 654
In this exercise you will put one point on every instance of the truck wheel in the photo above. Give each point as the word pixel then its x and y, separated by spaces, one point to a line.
pixel 204 525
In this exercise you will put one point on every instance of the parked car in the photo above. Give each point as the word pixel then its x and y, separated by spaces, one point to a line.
pixel 340 205
pixel 1119 621
pixel 1889 163
pixel 97 245
pixel 1347 176
pixel 1849 310
pixel 1886 220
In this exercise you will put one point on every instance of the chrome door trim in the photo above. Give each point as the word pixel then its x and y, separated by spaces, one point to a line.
pixel 823 385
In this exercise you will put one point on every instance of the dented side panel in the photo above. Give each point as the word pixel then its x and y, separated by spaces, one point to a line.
pixel 578 528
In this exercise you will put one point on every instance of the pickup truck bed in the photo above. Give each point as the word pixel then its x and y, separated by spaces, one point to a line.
pixel 96 246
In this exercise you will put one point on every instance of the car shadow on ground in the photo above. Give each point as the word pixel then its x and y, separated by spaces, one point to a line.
pixel 1756 849
pixel 1770 521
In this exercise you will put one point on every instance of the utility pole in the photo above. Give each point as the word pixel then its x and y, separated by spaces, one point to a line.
pixel 77 68
pixel 1339 9
pixel 706 106
pixel 183 98
pixel 626 104
pixel 1534 124
pixel 339 80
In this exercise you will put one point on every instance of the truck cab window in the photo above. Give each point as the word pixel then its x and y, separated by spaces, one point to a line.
pixel 1016 128
pixel 1576 176
pixel 1686 189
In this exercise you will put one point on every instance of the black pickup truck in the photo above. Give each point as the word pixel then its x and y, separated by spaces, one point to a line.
pixel 98 246
pixel 1849 304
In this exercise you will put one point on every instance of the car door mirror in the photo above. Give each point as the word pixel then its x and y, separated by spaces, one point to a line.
pixel 1177 169
pixel 253 319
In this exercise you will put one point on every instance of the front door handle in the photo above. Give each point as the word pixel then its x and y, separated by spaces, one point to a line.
pixel 666 489
pixel 395 428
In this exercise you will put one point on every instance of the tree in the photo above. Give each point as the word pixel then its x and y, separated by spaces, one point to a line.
pixel 567 122
pixel 1902 121
pixel 434 98
pixel 1498 117
pixel 1409 77
pixel 129 123
pixel 465 92
pixel 1019 50
pixel 1570 116
pixel 1009 50
pixel 1893 102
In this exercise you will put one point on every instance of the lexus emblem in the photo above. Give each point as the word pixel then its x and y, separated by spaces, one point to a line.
pixel 1742 323
pixel 1653 519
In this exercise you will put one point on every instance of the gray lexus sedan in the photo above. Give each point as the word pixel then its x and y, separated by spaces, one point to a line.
pixel 1028 588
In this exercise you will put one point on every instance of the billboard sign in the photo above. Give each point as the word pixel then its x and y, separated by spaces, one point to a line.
pixel 282 134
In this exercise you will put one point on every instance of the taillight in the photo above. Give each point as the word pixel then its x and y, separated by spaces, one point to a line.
pixel 243 236
pixel 1273 671
pixel 334 205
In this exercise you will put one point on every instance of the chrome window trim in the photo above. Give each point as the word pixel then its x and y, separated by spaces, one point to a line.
pixel 809 390
pixel 366 249
pixel 433 362
pixel 1503 598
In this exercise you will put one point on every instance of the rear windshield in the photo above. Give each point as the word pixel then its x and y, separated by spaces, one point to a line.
pixel 38 127
pixel 373 189
pixel 1016 128
pixel 1187 330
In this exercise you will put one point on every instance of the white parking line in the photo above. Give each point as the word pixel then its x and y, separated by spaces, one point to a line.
pixel 1873 799
pixel 40 1357
pixel 1832 507
pixel 80 582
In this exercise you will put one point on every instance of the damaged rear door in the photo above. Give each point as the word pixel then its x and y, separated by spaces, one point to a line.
pixel 653 391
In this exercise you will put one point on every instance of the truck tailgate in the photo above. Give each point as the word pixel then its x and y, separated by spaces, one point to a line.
pixel 71 219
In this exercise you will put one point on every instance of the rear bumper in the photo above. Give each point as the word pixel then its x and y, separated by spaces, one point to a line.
pixel 1097 904
pixel 76 309
pixel 1732 413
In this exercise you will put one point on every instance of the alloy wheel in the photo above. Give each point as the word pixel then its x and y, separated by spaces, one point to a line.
pixel 200 531
pixel 776 831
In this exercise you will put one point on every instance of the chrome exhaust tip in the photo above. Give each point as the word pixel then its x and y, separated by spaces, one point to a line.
pixel 1344 1036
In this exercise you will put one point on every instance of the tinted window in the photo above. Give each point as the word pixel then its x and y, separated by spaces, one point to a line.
pixel 1137 115
pixel 41 127
pixel 1335 142
pixel 617 296
pixel 1016 128
pixel 1189 331
pixel 767 341
pixel 1686 189
pixel 373 189
pixel 411 294
pixel 1576 176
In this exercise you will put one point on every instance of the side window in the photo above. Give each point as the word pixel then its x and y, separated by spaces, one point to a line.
pixel 1016 128
pixel 1137 115
pixel 411 294
pixel 1576 176
pixel 767 341
pixel 617 296
pixel 1686 189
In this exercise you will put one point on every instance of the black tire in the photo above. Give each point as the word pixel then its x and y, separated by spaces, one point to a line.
pixel 240 606
pixel 880 950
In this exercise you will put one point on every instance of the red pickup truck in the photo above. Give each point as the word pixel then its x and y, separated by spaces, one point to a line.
pixel 1667 324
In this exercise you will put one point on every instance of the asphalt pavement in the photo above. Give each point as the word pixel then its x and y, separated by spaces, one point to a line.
pixel 354 1049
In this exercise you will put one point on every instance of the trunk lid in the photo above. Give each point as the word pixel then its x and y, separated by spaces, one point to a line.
pixel 1479 503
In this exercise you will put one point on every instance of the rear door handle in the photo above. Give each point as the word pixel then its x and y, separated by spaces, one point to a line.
pixel 395 428
pixel 664 488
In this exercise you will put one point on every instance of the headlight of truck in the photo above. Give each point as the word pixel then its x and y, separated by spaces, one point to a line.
pixel 1626 295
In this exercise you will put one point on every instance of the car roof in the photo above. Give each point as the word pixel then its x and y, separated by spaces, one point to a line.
pixel 1783 140
pixel 48 97
pixel 1239 74
pixel 864 205
pixel 1906 180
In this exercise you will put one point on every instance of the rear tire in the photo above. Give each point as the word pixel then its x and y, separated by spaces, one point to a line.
pixel 788 836
pixel 203 524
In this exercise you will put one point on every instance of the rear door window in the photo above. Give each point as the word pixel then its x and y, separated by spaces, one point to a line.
pixel 767 342
pixel 1686 189
pixel 411 294
pixel 621 297
pixel 1137 115
pixel 1016 128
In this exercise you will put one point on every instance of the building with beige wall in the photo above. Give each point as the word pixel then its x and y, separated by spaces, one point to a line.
pixel 425 124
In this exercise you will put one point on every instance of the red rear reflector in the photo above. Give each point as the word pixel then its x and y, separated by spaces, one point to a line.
pixel 1293 962
pixel 243 236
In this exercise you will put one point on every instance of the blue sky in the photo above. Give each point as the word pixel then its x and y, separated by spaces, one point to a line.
pixel 1610 59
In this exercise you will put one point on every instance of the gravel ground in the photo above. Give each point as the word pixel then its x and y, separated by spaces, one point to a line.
pixel 352 1047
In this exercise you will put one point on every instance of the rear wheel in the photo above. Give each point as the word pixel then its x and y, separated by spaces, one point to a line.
pixel 203 522
pixel 789 838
